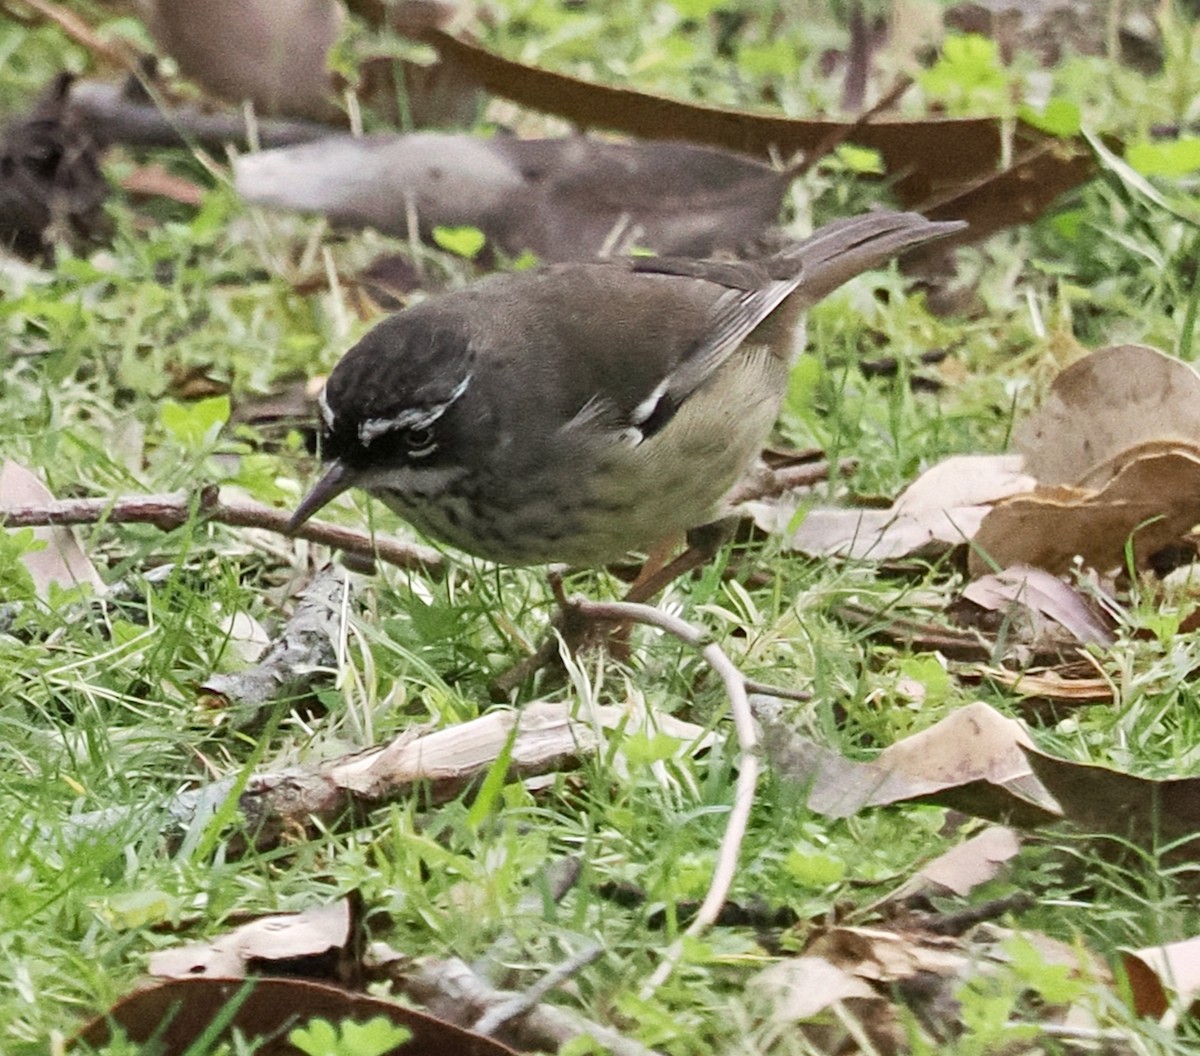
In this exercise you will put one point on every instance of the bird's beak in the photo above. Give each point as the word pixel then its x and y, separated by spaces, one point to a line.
pixel 337 478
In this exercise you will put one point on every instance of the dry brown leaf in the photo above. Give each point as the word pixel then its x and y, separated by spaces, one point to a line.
pixel 964 481
pixel 1162 975
pixel 950 166
pixel 975 744
pixel 941 509
pixel 883 956
pixel 963 868
pixel 193 381
pixel 562 199
pixel 971 761
pixel 802 987
pixel 62 561
pixel 1103 472
pixel 832 1009
pixel 1109 802
pixel 311 943
pixel 1151 502
pixel 875 535
pixel 1039 592
pixel 925 968
pixel 1106 406
pixel 1018 195
pixel 176 1013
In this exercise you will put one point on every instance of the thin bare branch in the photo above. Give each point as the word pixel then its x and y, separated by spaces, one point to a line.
pixel 170 511
pixel 524 1003
pixel 77 30
pixel 771 483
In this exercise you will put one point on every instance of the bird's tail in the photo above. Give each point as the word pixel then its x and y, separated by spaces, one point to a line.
pixel 845 248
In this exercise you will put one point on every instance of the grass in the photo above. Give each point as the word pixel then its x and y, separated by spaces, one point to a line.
pixel 99 710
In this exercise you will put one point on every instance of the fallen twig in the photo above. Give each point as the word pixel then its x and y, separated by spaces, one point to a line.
pixel 748 758
pixel 753 686
pixel 525 1002
pixel 170 511
pixel 838 136
pixel 771 482
pixel 113 117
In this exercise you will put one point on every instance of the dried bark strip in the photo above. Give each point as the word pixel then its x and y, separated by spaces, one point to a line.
pixel 451 989
pixel 301 656
pixel 545 738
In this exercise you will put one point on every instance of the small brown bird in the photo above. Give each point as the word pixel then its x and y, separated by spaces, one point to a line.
pixel 580 411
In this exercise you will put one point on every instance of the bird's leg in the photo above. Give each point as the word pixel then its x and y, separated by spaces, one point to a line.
pixel 657 573
pixel 658 559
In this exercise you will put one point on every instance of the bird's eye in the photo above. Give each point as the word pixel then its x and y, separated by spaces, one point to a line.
pixel 419 443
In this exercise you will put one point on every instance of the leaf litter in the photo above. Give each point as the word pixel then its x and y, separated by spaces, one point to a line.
pixel 1111 459
pixel 972 764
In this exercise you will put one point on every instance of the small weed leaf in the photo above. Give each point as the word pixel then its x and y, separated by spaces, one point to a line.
pixel 377 1036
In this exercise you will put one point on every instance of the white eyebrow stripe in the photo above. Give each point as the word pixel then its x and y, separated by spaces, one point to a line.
pixel 413 418
pixel 325 409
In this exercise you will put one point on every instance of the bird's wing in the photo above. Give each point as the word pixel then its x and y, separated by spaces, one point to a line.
pixel 649 369
pixel 733 317
pixel 809 270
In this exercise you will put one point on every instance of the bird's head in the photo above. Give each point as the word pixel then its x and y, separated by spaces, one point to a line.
pixel 383 409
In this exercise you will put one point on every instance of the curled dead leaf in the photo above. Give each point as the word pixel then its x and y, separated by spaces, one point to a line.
pixel 316 942
pixel 884 956
pixel 964 867
pixel 946 166
pixel 1104 801
pixel 1149 504
pixel 1038 592
pixel 802 987
pixel 972 761
pixel 941 509
pixel 1102 411
pixel 1162 975
pixel 177 1013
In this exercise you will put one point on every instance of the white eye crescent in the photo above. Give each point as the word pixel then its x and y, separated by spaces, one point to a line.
pixel 419 442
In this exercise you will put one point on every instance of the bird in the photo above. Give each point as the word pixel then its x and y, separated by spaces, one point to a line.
pixel 578 412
